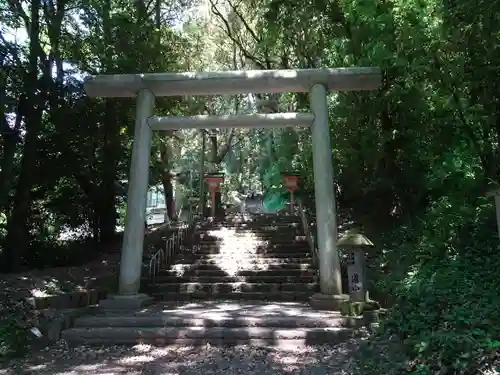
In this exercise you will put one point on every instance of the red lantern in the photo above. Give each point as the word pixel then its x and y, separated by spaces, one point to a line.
pixel 214 182
pixel 291 182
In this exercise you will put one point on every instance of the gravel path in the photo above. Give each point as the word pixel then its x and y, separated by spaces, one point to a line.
pixel 150 360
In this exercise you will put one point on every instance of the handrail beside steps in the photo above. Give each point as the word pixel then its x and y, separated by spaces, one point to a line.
pixel 162 258
pixel 307 230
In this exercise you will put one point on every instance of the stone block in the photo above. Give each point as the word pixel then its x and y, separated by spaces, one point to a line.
pixel 126 302
pixel 330 302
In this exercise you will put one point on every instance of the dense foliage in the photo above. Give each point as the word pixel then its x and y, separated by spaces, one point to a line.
pixel 413 161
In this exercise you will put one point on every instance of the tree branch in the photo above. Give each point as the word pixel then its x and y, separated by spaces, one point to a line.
pixel 245 23
pixel 258 40
pixel 230 35
pixel 225 149
pixel 17 8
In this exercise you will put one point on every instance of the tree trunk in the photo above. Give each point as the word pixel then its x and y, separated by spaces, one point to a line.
pixel 169 193
pixel 111 147
pixel 107 207
pixel 17 240
pixel 10 138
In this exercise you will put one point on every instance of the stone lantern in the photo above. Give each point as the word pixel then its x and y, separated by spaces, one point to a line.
pixel 356 245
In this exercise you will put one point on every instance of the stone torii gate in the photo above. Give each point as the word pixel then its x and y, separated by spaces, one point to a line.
pixel 147 86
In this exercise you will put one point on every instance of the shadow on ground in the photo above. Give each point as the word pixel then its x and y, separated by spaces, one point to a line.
pixel 146 359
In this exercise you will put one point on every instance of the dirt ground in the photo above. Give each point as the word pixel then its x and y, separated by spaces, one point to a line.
pixel 151 360
pixel 60 280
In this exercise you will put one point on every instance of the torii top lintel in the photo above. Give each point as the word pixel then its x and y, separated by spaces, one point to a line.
pixel 232 82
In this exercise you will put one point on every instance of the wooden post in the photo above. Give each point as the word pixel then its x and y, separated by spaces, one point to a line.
pixel 212 209
pixel 291 182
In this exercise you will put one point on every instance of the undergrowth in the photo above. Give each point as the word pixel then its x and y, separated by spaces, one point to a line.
pixel 16 318
pixel 445 280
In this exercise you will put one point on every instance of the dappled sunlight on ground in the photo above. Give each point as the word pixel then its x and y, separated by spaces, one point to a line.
pixel 152 360
pixel 181 269
pixel 237 251
pixel 251 311
pixel 60 280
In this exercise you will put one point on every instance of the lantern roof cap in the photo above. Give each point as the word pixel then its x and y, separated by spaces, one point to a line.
pixel 290 174
pixel 353 238
pixel 214 174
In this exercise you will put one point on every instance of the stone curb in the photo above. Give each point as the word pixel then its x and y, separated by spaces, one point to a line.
pixel 51 326
pixel 71 300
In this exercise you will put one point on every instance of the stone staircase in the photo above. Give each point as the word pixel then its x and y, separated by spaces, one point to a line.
pixel 264 259
pixel 243 282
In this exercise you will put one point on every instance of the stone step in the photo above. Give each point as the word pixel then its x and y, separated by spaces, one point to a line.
pixel 253 227
pixel 283 252
pixel 197 336
pixel 264 216
pixel 246 261
pixel 244 256
pixel 223 279
pixel 236 245
pixel 292 225
pixel 262 225
pixel 218 322
pixel 272 258
pixel 266 224
pixel 250 242
pixel 244 229
pixel 228 254
pixel 220 258
pixel 261 216
pixel 278 272
pixel 255 266
pixel 232 287
pixel 235 264
pixel 251 232
pixel 210 320
pixel 295 296
pixel 254 221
